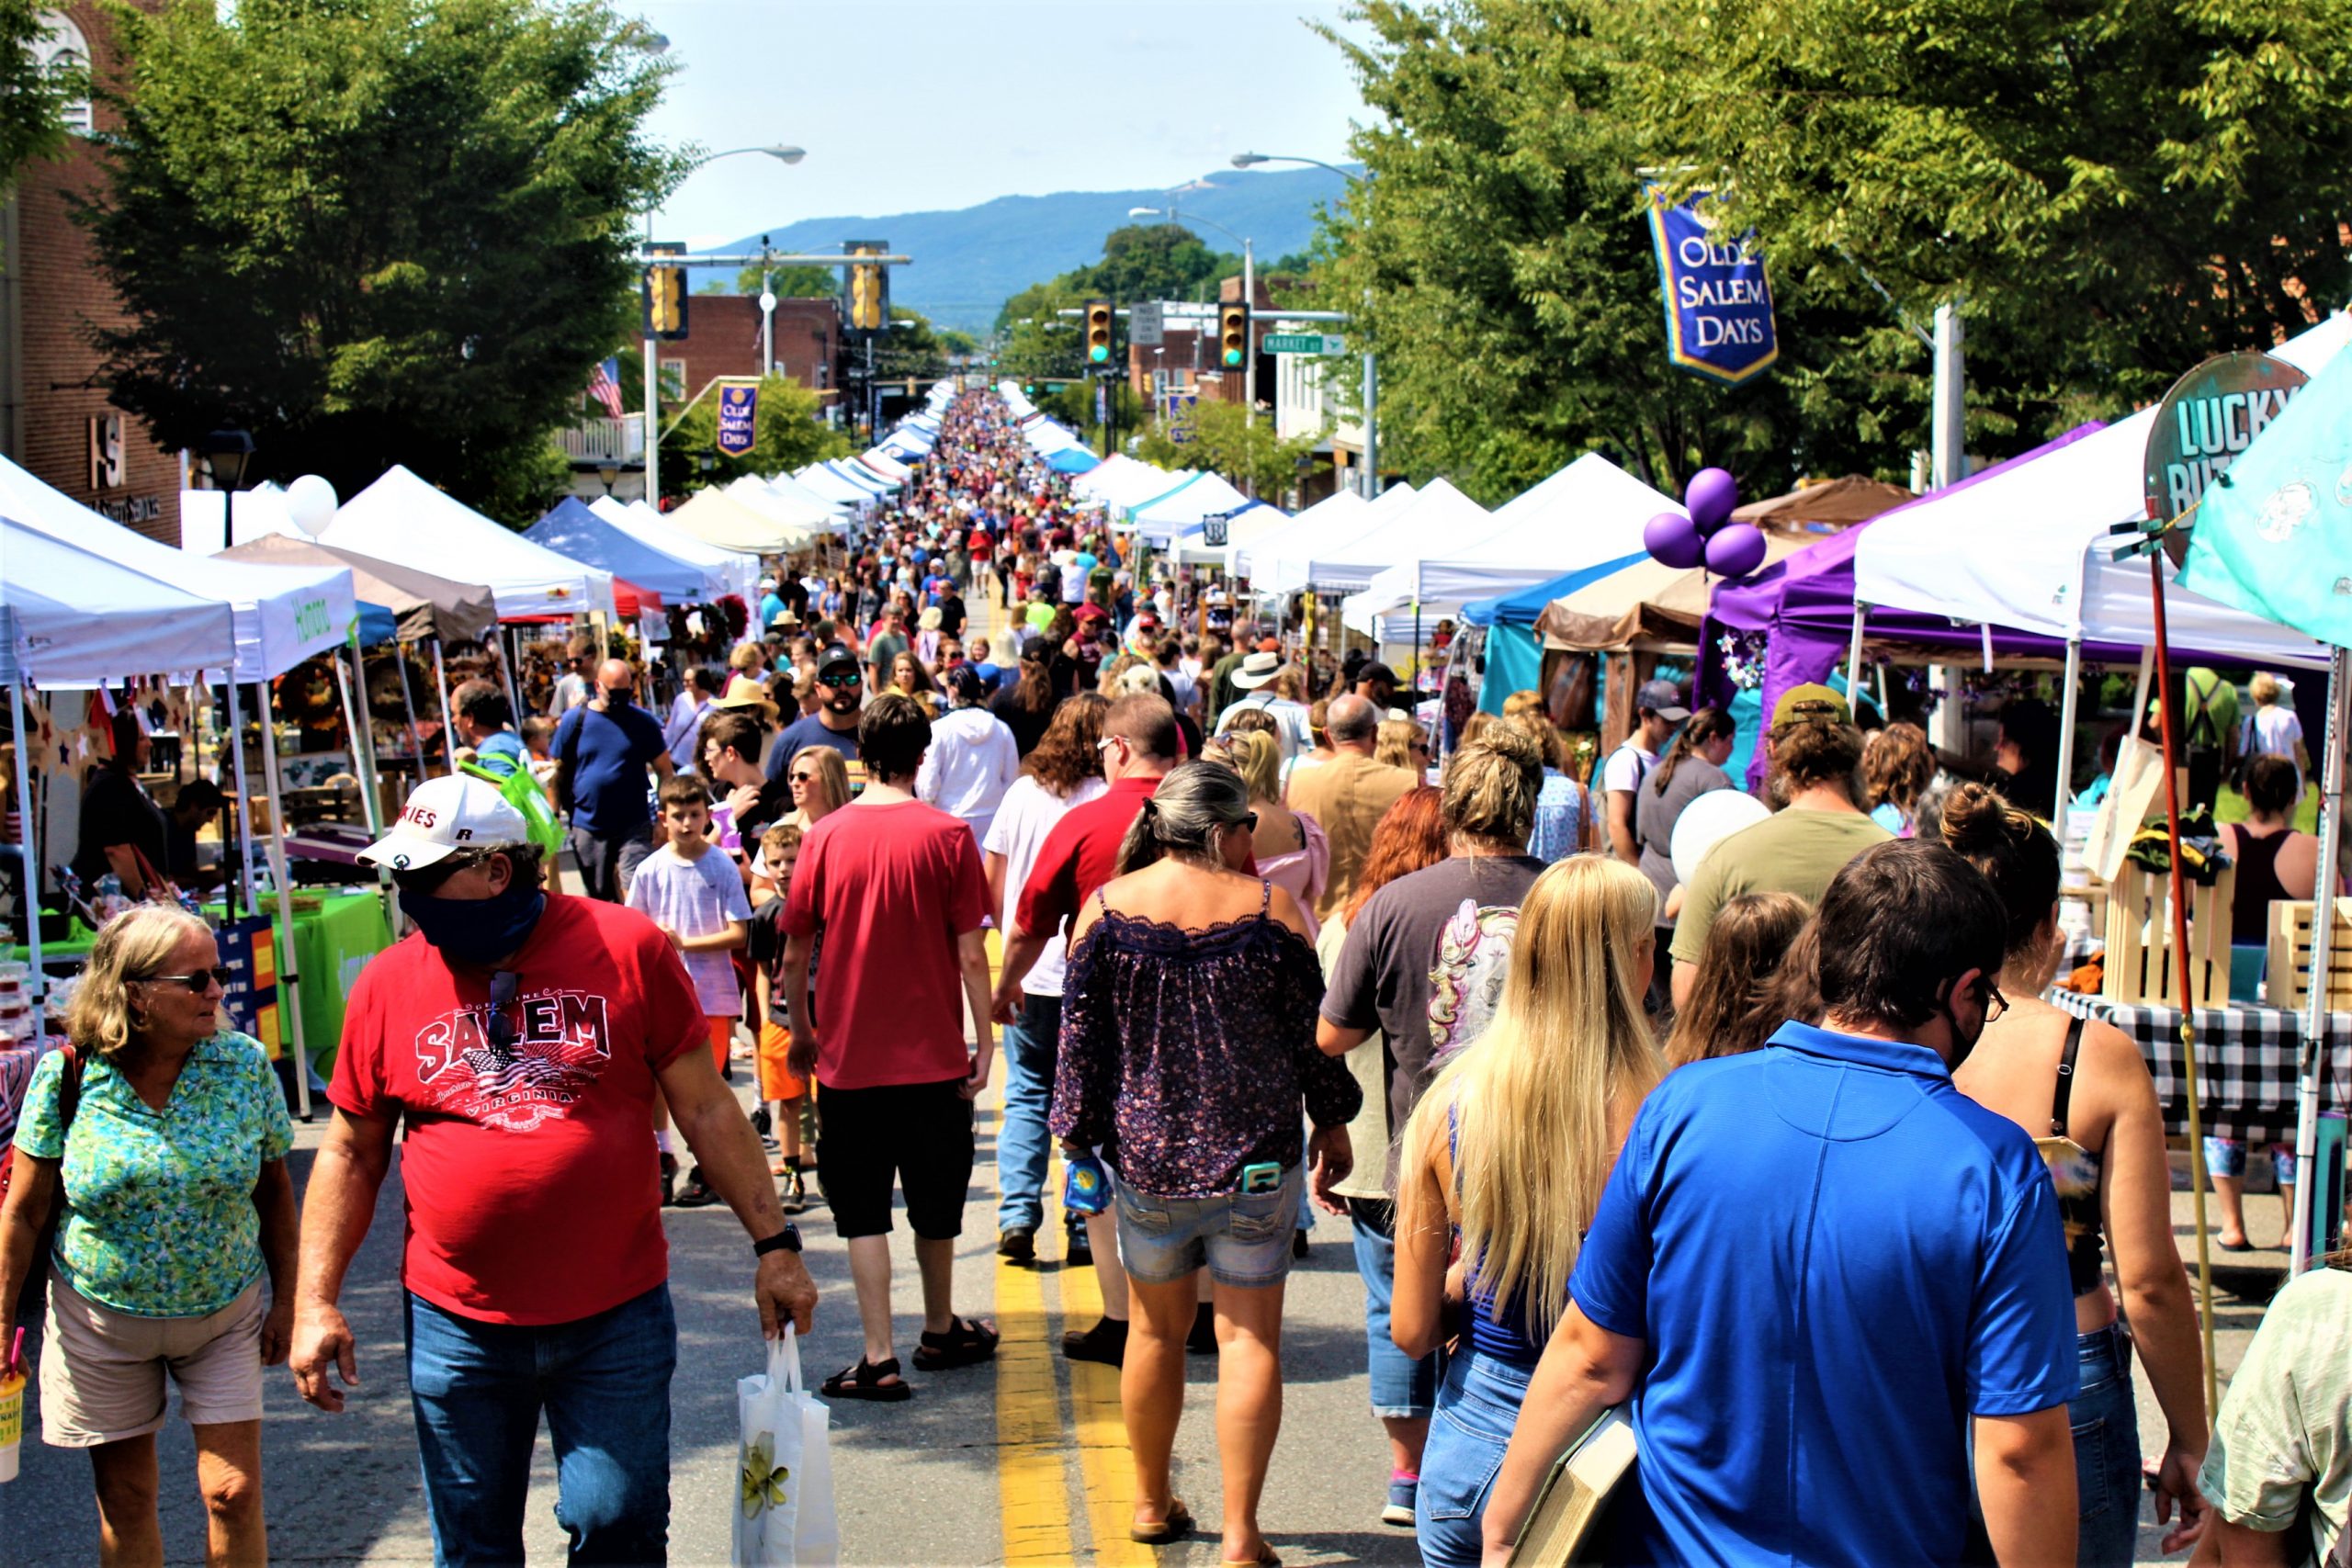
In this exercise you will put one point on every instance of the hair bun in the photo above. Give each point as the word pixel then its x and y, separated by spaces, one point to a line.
pixel 1513 744
pixel 1977 819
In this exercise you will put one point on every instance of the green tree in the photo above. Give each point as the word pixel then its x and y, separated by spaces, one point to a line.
pixel 378 230
pixel 789 434
pixel 31 96
pixel 1218 437
pixel 802 282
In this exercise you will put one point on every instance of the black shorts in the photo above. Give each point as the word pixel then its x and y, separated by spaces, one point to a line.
pixel 917 1137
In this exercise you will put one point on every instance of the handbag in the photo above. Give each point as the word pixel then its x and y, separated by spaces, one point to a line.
pixel 69 1100
pixel 784 1517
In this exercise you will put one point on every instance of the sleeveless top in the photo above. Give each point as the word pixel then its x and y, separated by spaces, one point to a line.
pixel 1492 1329
pixel 2257 885
pixel 2074 1171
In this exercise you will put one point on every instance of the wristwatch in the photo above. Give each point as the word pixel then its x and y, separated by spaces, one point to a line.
pixel 785 1240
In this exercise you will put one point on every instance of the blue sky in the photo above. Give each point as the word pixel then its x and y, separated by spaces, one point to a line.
pixel 906 105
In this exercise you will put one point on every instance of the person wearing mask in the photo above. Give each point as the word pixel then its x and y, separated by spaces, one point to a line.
pixel 484 721
pixel 162 1162
pixel 1826 1320
pixel 1404 1389
pixel 2277 1474
pixel 515 1043
pixel 122 831
pixel 895 885
pixel 1508 1153
pixel 1192 982
pixel 694 702
pixel 1658 709
pixel 603 749
pixel 1814 750
pixel 1693 766
pixel 973 758
pixel 1064 771
pixel 835 724
pixel 2082 1091
pixel 1026 706
pixel 1349 794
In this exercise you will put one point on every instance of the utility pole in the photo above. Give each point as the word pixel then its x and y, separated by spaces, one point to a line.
pixel 767 312
pixel 1250 360
pixel 1370 425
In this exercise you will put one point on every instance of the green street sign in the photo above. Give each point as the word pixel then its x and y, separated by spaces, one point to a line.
pixel 1302 343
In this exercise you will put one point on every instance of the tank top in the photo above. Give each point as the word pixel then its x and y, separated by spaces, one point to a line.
pixel 2257 885
pixel 2074 1171
pixel 1493 1328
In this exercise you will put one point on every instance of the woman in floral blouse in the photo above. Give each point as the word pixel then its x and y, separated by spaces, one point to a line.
pixel 172 1198
pixel 1187 1052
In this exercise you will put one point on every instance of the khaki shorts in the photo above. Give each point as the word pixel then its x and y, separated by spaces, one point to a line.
pixel 102 1371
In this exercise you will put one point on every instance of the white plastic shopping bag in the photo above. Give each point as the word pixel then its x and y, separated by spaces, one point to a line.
pixel 784 1517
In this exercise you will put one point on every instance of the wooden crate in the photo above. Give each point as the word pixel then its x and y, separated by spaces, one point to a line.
pixel 2291 957
pixel 2141 966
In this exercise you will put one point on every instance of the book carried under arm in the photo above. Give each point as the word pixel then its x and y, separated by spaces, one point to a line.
pixel 1560 1529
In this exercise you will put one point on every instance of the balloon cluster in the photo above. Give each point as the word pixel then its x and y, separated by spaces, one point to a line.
pixel 1706 536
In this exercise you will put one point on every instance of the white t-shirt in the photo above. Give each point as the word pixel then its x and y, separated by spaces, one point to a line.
pixel 695 898
pixel 1627 765
pixel 2276 730
pixel 570 691
pixel 1026 815
pixel 972 760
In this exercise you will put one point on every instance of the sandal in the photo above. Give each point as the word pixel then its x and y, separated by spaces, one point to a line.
pixel 1173 1528
pixel 1265 1559
pixel 964 1343
pixel 863 1381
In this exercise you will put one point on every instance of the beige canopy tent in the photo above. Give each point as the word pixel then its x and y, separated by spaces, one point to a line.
pixel 1648 606
pixel 423 605
pixel 1835 503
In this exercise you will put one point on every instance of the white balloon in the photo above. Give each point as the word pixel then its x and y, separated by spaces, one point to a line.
pixel 1708 821
pixel 310 502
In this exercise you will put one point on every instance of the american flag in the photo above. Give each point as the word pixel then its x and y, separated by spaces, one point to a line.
pixel 605 388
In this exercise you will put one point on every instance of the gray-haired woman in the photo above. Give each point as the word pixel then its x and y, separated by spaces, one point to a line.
pixel 1187 1048
pixel 165 1163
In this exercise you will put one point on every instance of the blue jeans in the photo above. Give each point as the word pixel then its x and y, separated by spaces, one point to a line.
pixel 1400 1385
pixel 478 1389
pixel 1477 1404
pixel 2107 1450
pixel 1032 1043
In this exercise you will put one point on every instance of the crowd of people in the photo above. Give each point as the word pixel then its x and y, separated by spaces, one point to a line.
pixel 1792 1163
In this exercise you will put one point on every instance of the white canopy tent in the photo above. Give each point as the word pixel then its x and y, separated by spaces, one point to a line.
pixel 739 573
pixel 77 617
pixel 835 485
pixel 887 466
pixel 802 512
pixel 1160 520
pixel 1131 486
pixel 402 519
pixel 790 488
pixel 1436 511
pixel 1339 515
pixel 1590 511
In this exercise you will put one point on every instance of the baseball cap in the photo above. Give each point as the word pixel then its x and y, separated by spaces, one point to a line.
pixel 834 654
pixel 1663 698
pixel 444 815
pixel 1379 674
pixel 1811 703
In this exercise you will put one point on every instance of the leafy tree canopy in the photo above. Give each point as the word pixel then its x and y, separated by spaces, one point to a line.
pixel 1218 436
pixel 803 282
pixel 788 435
pixel 378 230
pixel 31 97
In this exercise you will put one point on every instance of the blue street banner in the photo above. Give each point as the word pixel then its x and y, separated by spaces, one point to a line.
pixel 2273 532
pixel 739 418
pixel 1718 306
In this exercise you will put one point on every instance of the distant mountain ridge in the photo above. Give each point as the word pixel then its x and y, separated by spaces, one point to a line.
pixel 969 261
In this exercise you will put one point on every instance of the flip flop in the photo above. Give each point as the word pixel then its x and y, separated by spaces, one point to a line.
pixel 1265 1559
pixel 2234 1246
pixel 1174 1527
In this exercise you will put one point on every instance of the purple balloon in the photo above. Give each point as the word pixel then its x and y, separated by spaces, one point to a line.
pixel 1670 538
pixel 1711 495
pixel 1735 550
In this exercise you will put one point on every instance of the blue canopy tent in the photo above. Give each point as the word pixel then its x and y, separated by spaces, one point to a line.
pixel 575 531
pixel 1073 461
pixel 1514 653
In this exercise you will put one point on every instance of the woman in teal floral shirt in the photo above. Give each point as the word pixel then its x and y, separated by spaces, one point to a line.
pixel 173 1200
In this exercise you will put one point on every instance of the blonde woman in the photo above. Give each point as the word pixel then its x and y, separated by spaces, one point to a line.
pixel 164 1162
pixel 820 781
pixel 1292 853
pixel 1509 1149
pixel 1399 743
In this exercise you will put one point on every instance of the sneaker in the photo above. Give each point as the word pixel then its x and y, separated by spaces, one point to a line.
pixel 1201 1340
pixel 792 1193
pixel 669 1168
pixel 1017 1243
pixel 696 1192
pixel 1077 1252
pixel 1404 1491
pixel 1106 1343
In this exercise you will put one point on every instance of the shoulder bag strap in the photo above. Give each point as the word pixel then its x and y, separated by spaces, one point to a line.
pixel 2065 1093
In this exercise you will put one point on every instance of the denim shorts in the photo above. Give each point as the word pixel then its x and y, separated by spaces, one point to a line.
pixel 1242 1238
pixel 2226 1156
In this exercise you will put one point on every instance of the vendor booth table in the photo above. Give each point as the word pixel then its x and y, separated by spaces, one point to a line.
pixel 2247 1057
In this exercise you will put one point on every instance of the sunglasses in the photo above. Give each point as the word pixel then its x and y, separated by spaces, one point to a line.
pixel 799 777
pixel 199 983
pixel 841 682
pixel 504 983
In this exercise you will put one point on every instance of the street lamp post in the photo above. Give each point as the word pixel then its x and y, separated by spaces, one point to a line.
pixel 1249 296
pixel 782 154
pixel 1370 369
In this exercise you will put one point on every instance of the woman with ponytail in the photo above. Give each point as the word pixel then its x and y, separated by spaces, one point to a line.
pixel 1508 1151
pixel 1187 1052
pixel 2083 1090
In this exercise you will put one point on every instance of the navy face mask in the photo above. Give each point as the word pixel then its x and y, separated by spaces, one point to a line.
pixel 477 931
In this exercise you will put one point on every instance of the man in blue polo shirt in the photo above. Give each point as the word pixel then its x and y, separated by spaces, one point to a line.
pixel 1818 1269
pixel 602 750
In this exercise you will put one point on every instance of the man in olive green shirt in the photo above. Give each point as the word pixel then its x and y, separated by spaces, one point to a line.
pixel 1815 750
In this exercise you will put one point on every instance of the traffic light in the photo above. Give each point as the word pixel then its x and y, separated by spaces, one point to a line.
pixel 1233 334
pixel 865 304
pixel 665 301
pixel 865 299
pixel 1098 331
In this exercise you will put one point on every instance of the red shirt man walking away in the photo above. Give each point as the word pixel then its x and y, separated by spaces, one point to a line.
pixel 896 888
pixel 522 1040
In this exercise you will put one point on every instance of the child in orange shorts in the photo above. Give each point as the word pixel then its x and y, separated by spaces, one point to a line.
pixel 785 1093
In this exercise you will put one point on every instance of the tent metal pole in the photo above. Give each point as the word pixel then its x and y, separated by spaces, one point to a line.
pixel 27 841
pixel 2068 700
pixel 448 732
pixel 508 639
pixel 363 748
pixel 1854 656
pixel 287 975
pixel 2315 1017
pixel 245 812
pixel 408 705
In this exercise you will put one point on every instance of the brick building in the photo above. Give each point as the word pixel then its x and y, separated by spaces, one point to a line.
pixel 54 418
pixel 723 338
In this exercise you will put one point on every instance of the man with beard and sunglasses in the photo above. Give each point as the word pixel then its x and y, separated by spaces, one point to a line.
pixel 521 1039
pixel 1829 1290
pixel 841 688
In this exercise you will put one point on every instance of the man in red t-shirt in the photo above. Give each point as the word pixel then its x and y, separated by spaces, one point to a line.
pixel 521 1041
pixel 895 886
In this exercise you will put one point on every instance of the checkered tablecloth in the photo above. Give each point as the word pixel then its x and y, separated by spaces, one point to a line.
pixel 2247 1059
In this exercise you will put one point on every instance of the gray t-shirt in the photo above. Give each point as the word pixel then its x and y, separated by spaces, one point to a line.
pixel 1654 815
pixel 1424 962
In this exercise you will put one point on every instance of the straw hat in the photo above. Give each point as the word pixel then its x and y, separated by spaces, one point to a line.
pixel 747 695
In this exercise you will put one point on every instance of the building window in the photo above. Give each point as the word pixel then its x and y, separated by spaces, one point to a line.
pixel 674 379
pixel 60 49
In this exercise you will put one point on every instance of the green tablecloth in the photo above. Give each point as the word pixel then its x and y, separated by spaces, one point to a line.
pixel 332 944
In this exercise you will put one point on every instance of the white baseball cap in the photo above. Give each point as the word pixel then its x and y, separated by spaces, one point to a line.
pixel 446 815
